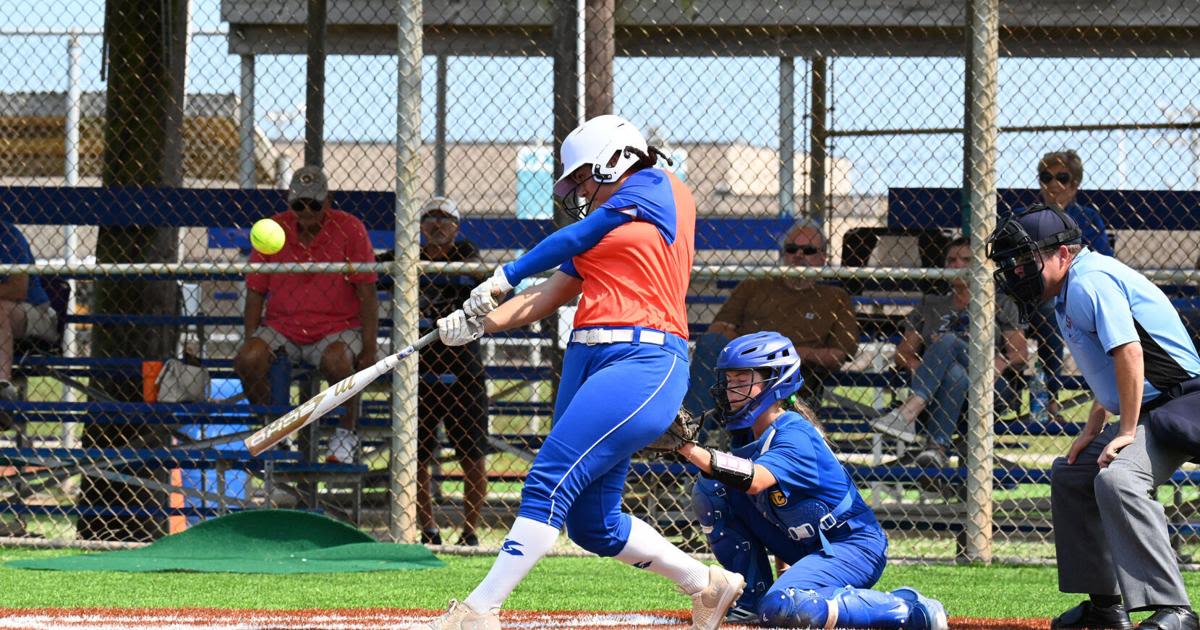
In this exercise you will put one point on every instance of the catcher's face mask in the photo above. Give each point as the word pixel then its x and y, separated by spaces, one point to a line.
pixel 736 392
pixel 1019 261
pixel 738 387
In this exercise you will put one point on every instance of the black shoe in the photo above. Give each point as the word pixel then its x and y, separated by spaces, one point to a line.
pixel 739 615
pixel 431 536
pixel 1089 615
pixel 1171 618
pixel 932 458
pixel 468 539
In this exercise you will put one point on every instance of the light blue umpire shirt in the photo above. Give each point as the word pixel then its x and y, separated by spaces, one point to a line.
pixel 1105 304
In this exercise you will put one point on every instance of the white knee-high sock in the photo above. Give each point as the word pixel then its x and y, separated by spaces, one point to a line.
pixel 647 549
pixel 526 543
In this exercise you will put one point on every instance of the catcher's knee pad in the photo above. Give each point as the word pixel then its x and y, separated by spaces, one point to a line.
pixel 710 504
pixel 793 608
pixel 924 613
pixel 712 510
pixel 834 607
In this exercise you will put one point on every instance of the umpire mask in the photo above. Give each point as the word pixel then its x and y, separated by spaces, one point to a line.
pixel 1016 247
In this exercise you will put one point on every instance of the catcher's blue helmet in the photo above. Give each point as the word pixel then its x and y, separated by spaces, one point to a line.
pixel 768 352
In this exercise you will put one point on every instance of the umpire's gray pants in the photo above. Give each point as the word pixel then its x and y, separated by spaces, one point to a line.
pixel 1110 533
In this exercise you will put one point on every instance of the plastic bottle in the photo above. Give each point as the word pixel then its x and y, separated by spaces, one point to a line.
pixel 1039 396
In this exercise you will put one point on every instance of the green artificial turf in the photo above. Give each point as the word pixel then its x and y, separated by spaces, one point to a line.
pixel 555 584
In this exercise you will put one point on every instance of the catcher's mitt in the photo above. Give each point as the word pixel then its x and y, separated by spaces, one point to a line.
pixel 685 428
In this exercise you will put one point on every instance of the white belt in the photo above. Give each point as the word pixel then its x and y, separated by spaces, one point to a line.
pixel 593 336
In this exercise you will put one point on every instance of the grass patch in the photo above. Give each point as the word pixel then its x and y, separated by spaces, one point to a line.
pixel 555 584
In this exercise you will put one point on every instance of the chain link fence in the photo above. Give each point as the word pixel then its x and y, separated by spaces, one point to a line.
pixel 828 148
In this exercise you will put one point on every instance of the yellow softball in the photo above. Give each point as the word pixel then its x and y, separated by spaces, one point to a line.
pixel 266 236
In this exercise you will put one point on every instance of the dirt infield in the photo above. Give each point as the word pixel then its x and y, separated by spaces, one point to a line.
pixel 356 619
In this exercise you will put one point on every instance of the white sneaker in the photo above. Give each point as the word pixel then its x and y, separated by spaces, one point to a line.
pixel 710 605
pixel 343 445
pixel 459 616
pixel 894 423
pixel 8 391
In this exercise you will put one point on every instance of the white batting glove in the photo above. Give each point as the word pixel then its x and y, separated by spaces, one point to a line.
pixel 456 329
pixel 486 297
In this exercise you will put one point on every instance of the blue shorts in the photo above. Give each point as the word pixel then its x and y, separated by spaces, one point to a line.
pixel 613 400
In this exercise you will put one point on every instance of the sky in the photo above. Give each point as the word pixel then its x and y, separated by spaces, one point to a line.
pixel 695 100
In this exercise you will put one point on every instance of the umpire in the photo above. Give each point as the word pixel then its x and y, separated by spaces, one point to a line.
pixel 1110 534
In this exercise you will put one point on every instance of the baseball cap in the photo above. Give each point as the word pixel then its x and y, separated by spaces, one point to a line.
pixel 443 204
pixel 308 183
pixel 1049 227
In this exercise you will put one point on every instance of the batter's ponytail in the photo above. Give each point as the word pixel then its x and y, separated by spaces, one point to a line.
pixel 649 159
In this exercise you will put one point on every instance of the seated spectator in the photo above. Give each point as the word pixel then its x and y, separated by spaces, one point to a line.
pixel 934 349
pixel 1059 174
pixel 329 320
pixel 24 305
pixel 817 318
pixel 452 390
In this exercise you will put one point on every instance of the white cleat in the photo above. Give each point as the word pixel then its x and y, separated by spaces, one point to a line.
pixel 710 605
pixel 459 616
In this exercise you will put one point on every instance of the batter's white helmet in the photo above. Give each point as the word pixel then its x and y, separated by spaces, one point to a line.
pixel 609 143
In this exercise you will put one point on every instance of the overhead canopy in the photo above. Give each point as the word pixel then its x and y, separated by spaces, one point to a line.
pixel 668 28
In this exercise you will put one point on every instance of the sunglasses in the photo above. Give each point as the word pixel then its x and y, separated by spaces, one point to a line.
pixel 311 205
pixel 438 218
pixel 1046 177
pixel 807 250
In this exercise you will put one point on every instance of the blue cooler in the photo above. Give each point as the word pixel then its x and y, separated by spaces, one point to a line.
pixel 236 481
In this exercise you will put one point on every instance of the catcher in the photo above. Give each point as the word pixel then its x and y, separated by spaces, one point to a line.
pixel 785 493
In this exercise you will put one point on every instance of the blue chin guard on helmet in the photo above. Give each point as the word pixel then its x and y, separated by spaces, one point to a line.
pixel 765 352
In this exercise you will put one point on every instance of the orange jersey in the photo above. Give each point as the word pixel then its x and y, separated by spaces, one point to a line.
pixel 638 274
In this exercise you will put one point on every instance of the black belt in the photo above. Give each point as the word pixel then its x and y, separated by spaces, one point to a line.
pixel 1171 393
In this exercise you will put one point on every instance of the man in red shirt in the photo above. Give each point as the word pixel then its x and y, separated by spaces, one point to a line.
pixel 329 320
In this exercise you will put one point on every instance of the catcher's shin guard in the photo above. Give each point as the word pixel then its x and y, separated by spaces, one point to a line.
pixel 925 613
pixel 830 607
pixel 733 549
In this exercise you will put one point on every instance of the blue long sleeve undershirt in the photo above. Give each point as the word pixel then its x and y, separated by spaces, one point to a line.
pixel 562 245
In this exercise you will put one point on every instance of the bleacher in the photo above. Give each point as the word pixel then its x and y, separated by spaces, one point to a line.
pixel 295 475
pixel 917 215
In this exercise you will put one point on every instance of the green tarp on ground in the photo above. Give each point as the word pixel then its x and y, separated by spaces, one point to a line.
pixel 256 541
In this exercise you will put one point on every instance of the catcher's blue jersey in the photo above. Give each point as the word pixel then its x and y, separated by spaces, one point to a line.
pixel 811 483
pixel 814 519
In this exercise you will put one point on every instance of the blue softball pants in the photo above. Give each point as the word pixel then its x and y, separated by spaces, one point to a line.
pixel 741 538
pixel 613 400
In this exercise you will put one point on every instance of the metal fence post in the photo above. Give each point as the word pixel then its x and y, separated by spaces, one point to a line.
pixel 818 139
pixel 246 158
pixel 402 524
pixel 981 134
pixel 787 136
